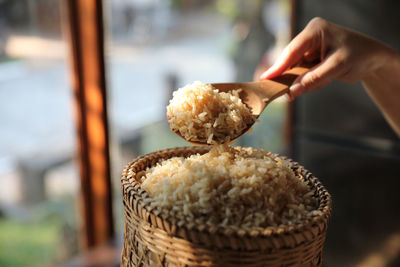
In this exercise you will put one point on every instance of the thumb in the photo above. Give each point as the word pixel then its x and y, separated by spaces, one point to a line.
pixel 284 61
pixel 317 77
pixel 292 54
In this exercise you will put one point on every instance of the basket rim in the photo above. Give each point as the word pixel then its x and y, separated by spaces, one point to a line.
pixel 131 189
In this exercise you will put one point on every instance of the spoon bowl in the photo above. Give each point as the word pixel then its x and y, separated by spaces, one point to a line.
pixel 257 95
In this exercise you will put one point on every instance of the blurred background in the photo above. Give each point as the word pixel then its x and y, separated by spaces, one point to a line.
pixel 153 47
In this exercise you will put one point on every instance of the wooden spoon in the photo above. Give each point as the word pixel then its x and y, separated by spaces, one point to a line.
pixel 257 95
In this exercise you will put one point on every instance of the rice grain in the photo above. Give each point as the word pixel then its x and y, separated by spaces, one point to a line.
pixel 199 112
pixel 230 187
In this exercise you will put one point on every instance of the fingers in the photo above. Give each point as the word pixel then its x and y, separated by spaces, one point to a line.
pixel 314 42
pixel 320 75
pixel 309 42
pixel 311 56
pixel 289 57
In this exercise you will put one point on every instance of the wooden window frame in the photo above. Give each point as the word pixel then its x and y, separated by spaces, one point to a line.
pixel 86 39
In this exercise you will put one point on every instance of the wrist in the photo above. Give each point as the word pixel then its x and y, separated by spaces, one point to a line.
pixel 386 60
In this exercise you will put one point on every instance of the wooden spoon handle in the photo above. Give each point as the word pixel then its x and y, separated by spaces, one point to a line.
pixel 284 81
pixel 289 76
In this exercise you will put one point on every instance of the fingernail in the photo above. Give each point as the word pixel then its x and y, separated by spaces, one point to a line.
pixel 294 87
pixel 287 97
pixel 264 75
pixel 267 73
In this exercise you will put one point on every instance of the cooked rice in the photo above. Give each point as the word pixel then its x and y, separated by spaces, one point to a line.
pixel 229 188
pixel 199 112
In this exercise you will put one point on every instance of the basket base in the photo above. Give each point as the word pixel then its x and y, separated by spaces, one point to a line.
pixel 136 253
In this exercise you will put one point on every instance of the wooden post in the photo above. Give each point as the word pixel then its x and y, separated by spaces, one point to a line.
pixel 290 122
pixel 85 20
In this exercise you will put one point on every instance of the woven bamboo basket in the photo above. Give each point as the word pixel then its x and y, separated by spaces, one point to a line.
pixel 150 240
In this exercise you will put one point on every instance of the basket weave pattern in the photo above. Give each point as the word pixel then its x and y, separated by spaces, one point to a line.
pixel 150 240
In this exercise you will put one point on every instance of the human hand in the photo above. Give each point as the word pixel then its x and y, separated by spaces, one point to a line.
pixel 343 55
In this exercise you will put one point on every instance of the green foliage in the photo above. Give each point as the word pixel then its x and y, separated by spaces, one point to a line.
pixel 40 235
pixel 6 59
pixel 228 7
pixel 177 4
pixel 159 136
pixel 28 244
